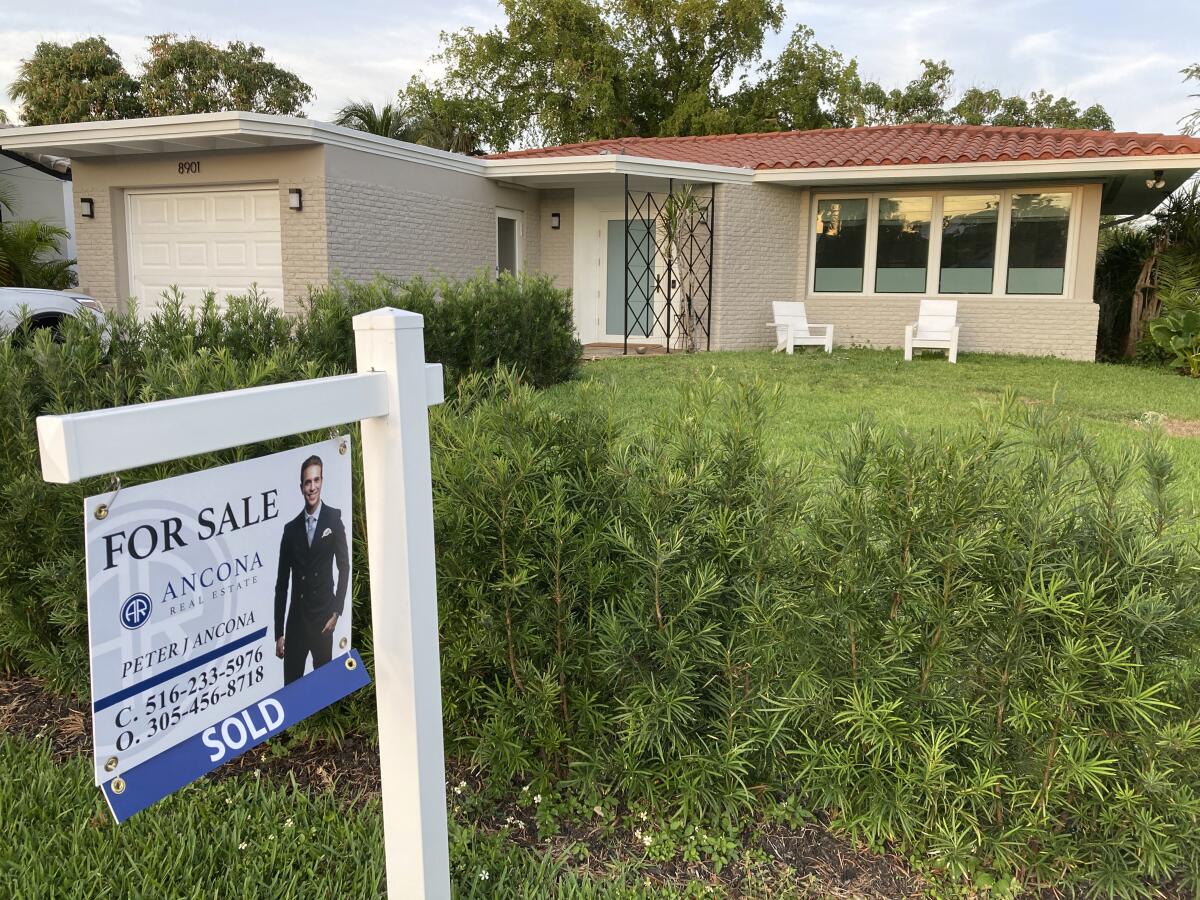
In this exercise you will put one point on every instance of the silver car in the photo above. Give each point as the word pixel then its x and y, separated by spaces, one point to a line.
pixel 46 309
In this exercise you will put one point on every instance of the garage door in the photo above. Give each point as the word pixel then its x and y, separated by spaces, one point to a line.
pixel 220 240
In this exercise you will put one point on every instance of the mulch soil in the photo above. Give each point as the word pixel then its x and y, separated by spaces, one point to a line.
pixel 809 861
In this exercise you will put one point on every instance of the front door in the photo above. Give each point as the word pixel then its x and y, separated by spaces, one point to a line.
pixel 641 252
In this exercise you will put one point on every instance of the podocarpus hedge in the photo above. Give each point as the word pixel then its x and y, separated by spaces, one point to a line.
pixel 979 647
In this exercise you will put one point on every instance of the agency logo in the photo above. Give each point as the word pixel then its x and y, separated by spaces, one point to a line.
pixel 135 611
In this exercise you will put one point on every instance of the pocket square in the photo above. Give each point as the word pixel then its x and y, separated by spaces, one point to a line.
pixel 327 532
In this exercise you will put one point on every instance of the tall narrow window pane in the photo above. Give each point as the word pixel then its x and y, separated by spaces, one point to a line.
pixel 902 251
pixel 841 245
pixel 969 243
pixel 1037 243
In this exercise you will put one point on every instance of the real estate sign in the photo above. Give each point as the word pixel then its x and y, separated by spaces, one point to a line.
pixel 219 614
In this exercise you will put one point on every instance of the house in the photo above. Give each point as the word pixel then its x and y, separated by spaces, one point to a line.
pixel 678 241
pixel 40 186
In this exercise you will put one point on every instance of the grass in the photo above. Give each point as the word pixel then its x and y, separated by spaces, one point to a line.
pixel 240 837
pixel 824 392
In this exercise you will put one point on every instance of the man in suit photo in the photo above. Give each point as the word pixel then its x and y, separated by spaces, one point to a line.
pixel 311 544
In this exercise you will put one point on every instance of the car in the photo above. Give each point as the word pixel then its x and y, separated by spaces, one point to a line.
pixel 45 308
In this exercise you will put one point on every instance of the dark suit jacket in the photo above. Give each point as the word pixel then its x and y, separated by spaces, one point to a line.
pixel 310 570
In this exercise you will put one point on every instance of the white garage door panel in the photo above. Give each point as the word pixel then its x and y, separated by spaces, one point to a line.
pixel 218 240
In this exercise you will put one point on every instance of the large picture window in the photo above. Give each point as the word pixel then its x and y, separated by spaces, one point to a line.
pixel 841 245
pixel 1037 243
pixel 902 247
pixel 948 242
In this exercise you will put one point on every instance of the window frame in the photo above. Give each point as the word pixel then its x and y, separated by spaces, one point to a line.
pixel 933 270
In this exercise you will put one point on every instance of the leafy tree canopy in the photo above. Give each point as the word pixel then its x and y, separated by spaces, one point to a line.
pixel 193 76
pixel 563 71
pixel 86 81
pixel 80 82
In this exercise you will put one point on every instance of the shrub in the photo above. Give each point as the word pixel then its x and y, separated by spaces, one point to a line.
pixel 470 327
pixel 981 646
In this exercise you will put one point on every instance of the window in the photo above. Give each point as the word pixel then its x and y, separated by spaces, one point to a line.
pixel 1037 243
pixel 950 243
pixel 902 246
pixel 969 225
pixel 841 244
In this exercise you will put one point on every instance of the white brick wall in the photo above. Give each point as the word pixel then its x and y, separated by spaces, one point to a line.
pixel 1052 326
pixel 305 246
pixel 374 228
pixel 557 247
pixel 755 260
pixel 94 251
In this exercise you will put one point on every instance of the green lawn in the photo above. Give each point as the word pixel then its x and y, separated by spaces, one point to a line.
pixel 240 837
pixel 824 392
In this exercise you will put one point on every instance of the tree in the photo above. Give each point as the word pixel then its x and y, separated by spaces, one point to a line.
pixel 575 70
pixel 1042 110
pixel 196 76
pixel 80 82
pixel 447 122
pixel 1191 122
pixel 390 120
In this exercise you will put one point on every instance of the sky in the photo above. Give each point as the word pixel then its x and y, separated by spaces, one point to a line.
pixel 1123 55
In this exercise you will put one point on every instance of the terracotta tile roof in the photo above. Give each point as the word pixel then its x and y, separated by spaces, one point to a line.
pixel 880 146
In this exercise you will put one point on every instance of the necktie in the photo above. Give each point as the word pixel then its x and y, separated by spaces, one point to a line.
pixel 312 527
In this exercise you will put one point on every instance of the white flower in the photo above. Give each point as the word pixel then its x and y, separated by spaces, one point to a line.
pixel 483 875
pixel 647 840
pixel 643 815
pixel 458 789
pixel 242 845
pixel 525 790
pixel 289 824
pixel 537 798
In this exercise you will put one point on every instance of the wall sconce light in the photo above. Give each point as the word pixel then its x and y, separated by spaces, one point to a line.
pixel 555 221
pixel 1157 181
pixel 295 199
pixel 87 208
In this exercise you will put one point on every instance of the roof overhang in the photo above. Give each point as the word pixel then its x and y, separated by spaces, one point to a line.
pixel 1124 176
pixel 566 170
pixel 216 131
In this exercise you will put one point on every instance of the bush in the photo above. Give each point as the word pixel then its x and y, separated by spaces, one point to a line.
pixel 982 647
pixel 470 327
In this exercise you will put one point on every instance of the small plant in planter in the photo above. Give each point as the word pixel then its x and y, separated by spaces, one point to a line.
pixel 1179 334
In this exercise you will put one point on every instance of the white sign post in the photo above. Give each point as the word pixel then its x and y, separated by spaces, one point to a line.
pixel 390 395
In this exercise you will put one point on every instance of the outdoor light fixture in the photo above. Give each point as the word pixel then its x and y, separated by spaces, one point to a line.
pixel 1157 181
pixel 555 221
pixel 87 208
pixel 295 199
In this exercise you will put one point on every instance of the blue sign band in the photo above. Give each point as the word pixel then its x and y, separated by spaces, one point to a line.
pixel 148 782
pixel 134 689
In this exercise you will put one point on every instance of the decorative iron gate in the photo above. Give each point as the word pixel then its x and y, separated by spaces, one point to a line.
pixel 668 265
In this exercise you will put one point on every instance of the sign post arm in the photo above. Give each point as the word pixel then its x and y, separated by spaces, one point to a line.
pixel 399 505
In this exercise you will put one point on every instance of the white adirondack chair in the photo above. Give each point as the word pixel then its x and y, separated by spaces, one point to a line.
pixel 936 328
pixel 792 328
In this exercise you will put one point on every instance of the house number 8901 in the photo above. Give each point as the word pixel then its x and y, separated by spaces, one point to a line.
pixel 190 168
